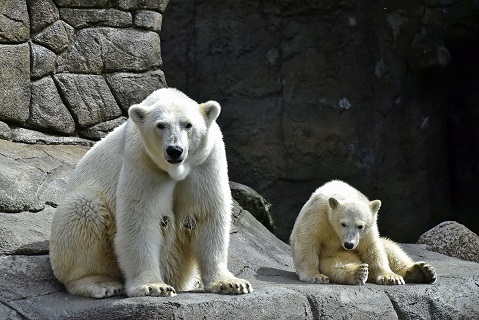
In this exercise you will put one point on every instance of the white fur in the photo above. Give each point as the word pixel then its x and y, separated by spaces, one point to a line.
pixel 133 216
pixel 336 238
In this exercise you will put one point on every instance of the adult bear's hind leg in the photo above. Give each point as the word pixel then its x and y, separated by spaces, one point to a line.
pixel 81 250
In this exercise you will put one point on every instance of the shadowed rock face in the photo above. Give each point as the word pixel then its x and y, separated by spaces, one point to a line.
pixel 382 95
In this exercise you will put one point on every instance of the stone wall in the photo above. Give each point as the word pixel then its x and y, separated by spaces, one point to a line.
pixel 381 94
pixel 73 67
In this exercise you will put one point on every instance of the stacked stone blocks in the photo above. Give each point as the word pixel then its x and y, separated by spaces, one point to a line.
pixel 73 67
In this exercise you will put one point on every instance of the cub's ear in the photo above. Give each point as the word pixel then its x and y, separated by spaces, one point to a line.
pixel 210 111
pixel 333 203
pixel 375 205
pixel 137 113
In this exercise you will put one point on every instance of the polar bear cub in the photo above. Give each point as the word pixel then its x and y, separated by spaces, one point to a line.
pixel 149 206
pixel 336 239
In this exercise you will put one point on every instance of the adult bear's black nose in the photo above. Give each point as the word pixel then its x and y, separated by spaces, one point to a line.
pixel 348 245
pixel 174 152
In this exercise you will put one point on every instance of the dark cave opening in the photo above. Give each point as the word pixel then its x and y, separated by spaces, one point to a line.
pixel 462 102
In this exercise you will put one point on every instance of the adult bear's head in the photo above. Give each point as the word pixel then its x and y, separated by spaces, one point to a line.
pixel 176 130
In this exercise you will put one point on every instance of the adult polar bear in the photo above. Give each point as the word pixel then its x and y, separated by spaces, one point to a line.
pixel 149 205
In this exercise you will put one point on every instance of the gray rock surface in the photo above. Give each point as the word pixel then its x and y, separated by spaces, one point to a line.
pixel 81 18
pixel 104 49
pixel 100 130
pixel 48 111
pixel 22 135
pixel 28 289
pixel 452 239
pixel 34 176
pixel 132 88
pixel 14 21
pixel 43 61
pixel 88 97
pixel 55 37
pixel 5 131
pixel 149 20
pixel 42 14
pixel 15 83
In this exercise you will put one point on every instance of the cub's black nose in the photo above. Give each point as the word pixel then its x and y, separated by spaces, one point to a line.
pixel 349 245
pixel 174 152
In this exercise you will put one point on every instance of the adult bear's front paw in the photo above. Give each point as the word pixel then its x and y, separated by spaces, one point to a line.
pixel 151 289
pixel 231 286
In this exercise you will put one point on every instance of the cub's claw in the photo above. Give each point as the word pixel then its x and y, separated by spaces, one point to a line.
pixel 317 278
pixel 361 275
pixel 390 278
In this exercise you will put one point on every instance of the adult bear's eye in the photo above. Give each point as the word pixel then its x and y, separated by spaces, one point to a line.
pixel 188 125
pixel 343 225
pixel 160 125
pixel 360 227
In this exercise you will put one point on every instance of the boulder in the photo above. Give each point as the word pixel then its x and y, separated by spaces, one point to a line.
pixel 452 239
pixel 253 202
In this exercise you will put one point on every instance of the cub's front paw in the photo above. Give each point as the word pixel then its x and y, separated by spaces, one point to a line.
pixel 151 289
pixel 390 278
pixel 421 272
pixel 361 274
pixel 231 286
pixel 316 278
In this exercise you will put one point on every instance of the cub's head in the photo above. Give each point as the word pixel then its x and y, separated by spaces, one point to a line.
pixel 352 219
pixel 175 129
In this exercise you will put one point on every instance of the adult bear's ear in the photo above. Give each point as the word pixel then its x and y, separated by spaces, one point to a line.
pixel 375 205
pixel 137 113
pixel 333 203
pixel 210 111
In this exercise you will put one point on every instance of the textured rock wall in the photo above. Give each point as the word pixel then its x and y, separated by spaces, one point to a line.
pixel 73 67
pixel 382 94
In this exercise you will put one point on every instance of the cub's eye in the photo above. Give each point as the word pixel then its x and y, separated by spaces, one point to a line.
pixel 160 125
pixel 360 227
pixel 343 225
pixel 188 125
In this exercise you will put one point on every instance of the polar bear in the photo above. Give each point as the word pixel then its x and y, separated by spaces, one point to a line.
pixel 335 238
pixel 148 206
